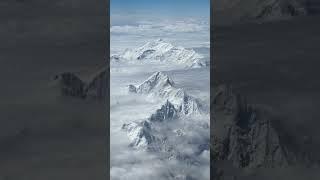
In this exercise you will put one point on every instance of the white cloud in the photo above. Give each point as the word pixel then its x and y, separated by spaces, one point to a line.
pixel 188 32
pixel 134 164
pixel 166 26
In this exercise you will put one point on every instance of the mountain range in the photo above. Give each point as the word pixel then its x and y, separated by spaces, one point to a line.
pixel 163 52
pixel 168 124
pixel 235 11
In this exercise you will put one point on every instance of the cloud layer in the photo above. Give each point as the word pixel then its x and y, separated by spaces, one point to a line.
pixel 187 32
pixel 166 26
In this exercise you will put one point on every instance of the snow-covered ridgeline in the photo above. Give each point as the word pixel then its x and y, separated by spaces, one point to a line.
pixel 161 85
pixel 150 134
pixel 162 52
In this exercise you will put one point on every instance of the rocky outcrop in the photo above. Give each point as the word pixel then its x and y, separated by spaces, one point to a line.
pixel 70 84
pixel 97 87
pixel 279 8
pixel 159 133
pixel 167 112
pixel 139 134
pixel 145 136
pixel 243 134
pixel 160 85
pixel 235 11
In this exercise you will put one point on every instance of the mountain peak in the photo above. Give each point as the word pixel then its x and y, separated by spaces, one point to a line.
pixel 159 40
pixel 161 85
pixel 159 50
pixel 160 77
pixel 155 82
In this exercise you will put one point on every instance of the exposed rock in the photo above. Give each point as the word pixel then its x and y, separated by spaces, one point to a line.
pixel 164 52
pixel 189 105
pixel 279 8
pixel 157 83
pixel 115 58
pixel 97 87
pixel 132 89
pixel 166 112
pixel 243 134
pixel 72 85
pixel 237 11
pixel 139 134
pixel 160 85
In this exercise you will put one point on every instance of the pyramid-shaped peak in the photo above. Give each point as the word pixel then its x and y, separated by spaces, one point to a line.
pixel 159 77
pixel 156 82
pixel 166 112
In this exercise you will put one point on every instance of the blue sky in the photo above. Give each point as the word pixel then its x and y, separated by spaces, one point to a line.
pixel 175 8
pixel 182 22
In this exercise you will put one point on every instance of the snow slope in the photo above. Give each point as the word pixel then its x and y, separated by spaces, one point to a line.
pixel 164 52
pixel 161 85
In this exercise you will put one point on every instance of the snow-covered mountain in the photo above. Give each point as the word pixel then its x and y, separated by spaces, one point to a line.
pixel 248 137
pixel 270 9
pixel 228 11
pixel 92 85
pixel 163 130
pixel 163 52
pixel 167 112
pixel 159 119
pixel 160 85
pixel 159 131
pixel 139 134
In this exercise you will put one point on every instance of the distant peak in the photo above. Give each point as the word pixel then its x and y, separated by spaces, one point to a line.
pixel 159 41
pixel 157 76
pixel 156 82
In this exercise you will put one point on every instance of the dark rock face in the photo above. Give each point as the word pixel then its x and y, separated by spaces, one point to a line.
pixel 71 85
pixel 145 54
pixel 166 112
pixel 278 8
pixel 140 134
pixel 97 87
pixel 243 134
pixel 234 11
pixel 132 89
pixel 156 82
pixel 161 85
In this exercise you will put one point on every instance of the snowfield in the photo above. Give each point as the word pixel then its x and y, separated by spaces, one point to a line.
pixel 160 123
pixel 161 52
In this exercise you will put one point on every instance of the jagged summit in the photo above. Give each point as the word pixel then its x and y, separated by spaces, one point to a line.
pixel 166 112
pixel 139 134
pixel 235 11
pixel 160 85
pixel 161 51
pixel 166 130
pixel 270 9
pixel 246 134
pixel 156 81
pixel 90 86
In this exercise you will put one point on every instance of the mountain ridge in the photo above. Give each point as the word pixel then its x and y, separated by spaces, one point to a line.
pixel 161 51
pixel 160 85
